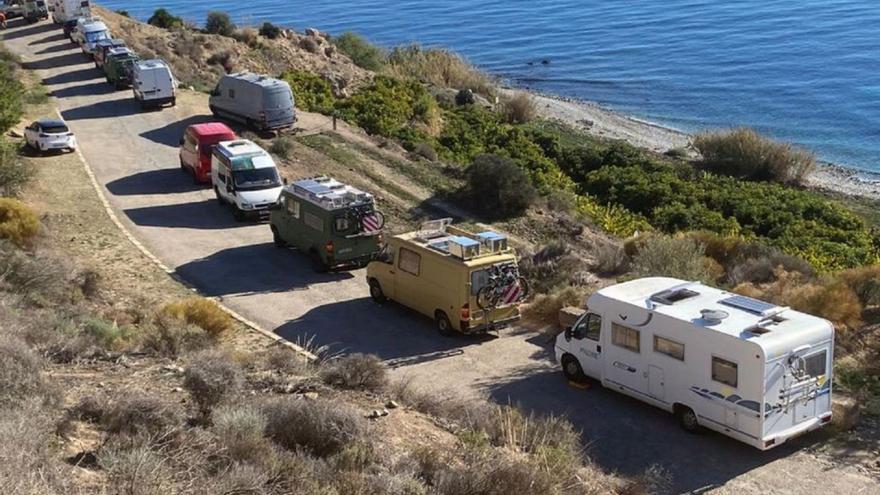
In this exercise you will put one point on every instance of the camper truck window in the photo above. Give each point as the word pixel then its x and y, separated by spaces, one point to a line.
pixel 627 338
pixel 293 208
pixel 669 347
pixel 410 262
pixel 724 371
pixel 313 221
pixel 815 364
pixel 479 279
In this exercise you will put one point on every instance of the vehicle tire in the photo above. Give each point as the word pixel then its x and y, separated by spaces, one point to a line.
pixel 219 197
pixel 318 264
pixel 444 326
pixel 174 102
pixel 485 298
pixel 572 370
pixel 277 239
pixel 238 213
pixel 213 110
pixel 376 291
pixel 687 418
pixel 183 166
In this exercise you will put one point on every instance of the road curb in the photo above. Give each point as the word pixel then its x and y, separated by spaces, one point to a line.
pixel 156 261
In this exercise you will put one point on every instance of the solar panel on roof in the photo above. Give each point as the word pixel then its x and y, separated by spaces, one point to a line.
pixel 749 304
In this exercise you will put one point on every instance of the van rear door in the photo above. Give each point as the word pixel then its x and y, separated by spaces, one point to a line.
pixel 277 106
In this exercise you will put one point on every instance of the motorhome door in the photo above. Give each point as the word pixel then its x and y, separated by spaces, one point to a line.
pixel 585 344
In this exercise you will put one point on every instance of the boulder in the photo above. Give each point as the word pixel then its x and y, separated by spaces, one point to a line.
pixel 569 315
pixel 313 32
pixel 845 412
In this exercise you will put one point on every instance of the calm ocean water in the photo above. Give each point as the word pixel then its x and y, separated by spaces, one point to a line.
pixel 806 71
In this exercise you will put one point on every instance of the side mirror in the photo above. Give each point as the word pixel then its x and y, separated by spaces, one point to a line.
pixel 229 188
pixel 284 180
pixel 568 333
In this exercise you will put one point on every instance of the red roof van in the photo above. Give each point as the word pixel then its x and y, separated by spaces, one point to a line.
pixel 196 145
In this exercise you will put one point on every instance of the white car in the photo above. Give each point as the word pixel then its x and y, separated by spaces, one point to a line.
pixel 47 135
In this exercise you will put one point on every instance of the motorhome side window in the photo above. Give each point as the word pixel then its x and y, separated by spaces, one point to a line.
pixel 293 208
pixel 410 262
pixel 669 347
pixel 627 338
pixel 724 371
pixel 814 365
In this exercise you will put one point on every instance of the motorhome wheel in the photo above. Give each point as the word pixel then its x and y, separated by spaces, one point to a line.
pixel 219 197
pixel 277 239
pixel 444 327
pixel 376 291
pixel 572 369
pixel 687 418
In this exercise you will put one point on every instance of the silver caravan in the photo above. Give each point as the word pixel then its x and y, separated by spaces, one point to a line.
pixel 745 368
pixel 260 102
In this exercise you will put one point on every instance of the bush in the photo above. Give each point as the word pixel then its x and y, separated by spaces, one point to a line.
pixel 440 68
pixel 361 52
pixel 282 147
pixel 163 19
pixel 497 188
pixel 864 282
pixel 269 30
pixel 681 258
pixel 545 307
pixel 136 469
pixel 106 334
pixel 610 257
pixel 465 97
pixel 320 426
pixel 357 371
pixel 310 45
pixel 123 13
pixel 224 59
pixel 30 463
pixel 204 313
pixel 745 154
pixel 210 377
pixel 90 408
pixel 312 92
pixel 519 108
pixel 13 172
pixel 425 151
pixel 18 223
pixel 134 415
pixel 389 105
pixel 247 35
pixel 169 337
pixel 21 374
pixel 219 23
pixel 11 93
pixel 37 277
pixel 240 431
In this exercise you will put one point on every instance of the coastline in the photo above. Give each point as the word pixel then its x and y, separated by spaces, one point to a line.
pixel 611 124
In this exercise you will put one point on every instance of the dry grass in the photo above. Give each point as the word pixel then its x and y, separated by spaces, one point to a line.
pixel 356 371
pixel 545 308
pixel 239 428
pixel 21 374
pixel 746 154
pixel 676 257
pixel 439 68
pixel 210 377
pixel 320 426
pixel 134 415
pixel 204 313
pixel 18 223
pixel 169 337
pixel 519 108
pixel 865 282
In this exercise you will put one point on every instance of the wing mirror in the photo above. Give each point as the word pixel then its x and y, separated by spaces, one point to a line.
pixel 229 188
pixel 568 333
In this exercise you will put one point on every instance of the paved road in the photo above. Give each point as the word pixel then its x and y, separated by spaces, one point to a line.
pixel 134 156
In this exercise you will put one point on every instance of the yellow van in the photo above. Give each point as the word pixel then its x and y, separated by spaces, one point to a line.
pixel 466 282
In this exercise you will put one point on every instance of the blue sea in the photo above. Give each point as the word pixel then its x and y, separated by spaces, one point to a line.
pixel 805 71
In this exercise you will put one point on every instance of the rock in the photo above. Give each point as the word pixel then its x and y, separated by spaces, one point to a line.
pixel 845 412
pixel 569 315
pixel 177 390
pixel 171 368
pixel 14 133
pixel 392 404
pixel 546 61
pixel 375 414
pixel 313 32
pixel 310 395
pixel 329 51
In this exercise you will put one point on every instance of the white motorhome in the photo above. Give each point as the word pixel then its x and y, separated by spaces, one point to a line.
pixel 153 84
pixel 245 176
pixel 69 10
pixel 745 368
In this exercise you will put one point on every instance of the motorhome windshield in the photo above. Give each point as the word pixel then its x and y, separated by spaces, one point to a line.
pixel 95 36
pixel 256 179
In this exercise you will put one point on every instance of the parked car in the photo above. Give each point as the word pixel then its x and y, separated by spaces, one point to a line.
pixel 337 225
pixel 466 282
pixel 153 84
pixel 260 102
pixel 244 176
pixel 196 146
pixel 12 8
pixel 745 368
pixel 119 67
pixel 90 34
pixel 104 46
pixel 47 135
pixel 35 11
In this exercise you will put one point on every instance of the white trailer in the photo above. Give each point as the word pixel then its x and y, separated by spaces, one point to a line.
pixel 745 368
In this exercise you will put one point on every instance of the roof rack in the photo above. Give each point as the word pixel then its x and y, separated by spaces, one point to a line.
pixel 441 236
pixel 329 193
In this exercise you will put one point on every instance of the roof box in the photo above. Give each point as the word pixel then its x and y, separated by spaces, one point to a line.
pixel 463 247
pixel 493 242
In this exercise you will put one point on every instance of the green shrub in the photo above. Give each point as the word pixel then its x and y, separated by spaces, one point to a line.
pixel 282 147
pixel 440 68
pixel 11 93
pixel 497 188
pixel 219 23
pixel 210 377
pixel 677 257
pixel 745 154
pixel 13 172
pixel 269 30
pixel 357 371
pixel 311 92
pixel 106 334
pixel 201 312
pixel 361 52
pixel 123 13
pixel 163 19
pixel 388 105
pixel 18 223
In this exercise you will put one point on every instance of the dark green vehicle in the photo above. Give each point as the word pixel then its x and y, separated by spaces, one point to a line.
pixel 337 225
pixel 118 67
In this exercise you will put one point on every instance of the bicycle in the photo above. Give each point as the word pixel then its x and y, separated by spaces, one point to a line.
pixel 504 286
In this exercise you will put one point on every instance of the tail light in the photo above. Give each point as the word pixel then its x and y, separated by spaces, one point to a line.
pixel 465 312
pixel 826 419
pixel 329 247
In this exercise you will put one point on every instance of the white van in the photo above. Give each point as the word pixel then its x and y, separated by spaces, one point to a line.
pixel 69 10
pixel 91 33
pixel 153 84
pixel 245 176
pixel 745 368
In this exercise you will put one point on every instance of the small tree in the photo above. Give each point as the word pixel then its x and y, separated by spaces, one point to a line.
pixel 269 30
pixel 163 19
pixel 219 23
pixel 360 51
pixel 497 188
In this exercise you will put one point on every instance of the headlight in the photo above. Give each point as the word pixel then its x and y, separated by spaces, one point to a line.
pixel 247 206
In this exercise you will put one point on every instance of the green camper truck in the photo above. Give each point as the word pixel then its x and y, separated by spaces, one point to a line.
pixel 337 225
pixel 118 66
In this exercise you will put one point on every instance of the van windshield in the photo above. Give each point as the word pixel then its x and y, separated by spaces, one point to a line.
pixel 256 179
pixel 94 36
pixel 278 98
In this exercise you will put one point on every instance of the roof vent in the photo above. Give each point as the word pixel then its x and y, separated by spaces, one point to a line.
pixel 672 296
pixel 713 316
